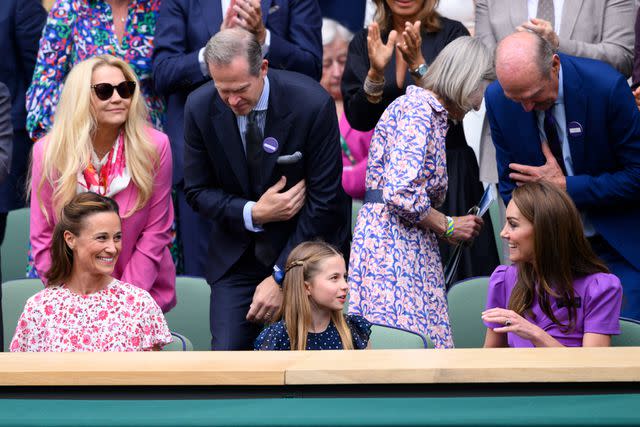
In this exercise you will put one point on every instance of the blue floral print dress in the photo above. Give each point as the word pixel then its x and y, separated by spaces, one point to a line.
pixel 395 272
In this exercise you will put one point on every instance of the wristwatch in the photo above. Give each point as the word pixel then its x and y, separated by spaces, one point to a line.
pixel 420 71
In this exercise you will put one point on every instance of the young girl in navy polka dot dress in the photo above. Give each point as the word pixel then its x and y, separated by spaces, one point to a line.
pixel 315 290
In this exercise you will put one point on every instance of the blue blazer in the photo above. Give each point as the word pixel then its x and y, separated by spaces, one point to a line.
pixel 185 26
pixel 216 174
pixel 21 23
pixel 606 155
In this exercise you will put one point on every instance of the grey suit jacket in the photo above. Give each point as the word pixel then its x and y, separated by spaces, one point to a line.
pixel 6 132
pixel 597 29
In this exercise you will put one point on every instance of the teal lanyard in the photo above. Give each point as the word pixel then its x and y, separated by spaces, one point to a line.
pixel 346 150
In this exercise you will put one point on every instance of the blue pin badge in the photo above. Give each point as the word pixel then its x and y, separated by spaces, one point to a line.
pixel 270 144
pixel 575 130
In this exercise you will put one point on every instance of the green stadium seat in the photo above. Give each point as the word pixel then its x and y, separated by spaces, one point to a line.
pixel 629 334
pixel 389 337
pixel 190 317
pixel 355 207
pixel 179 343
pixel 15 294
pixel 494 214
pixel 15 247
pixel 467 299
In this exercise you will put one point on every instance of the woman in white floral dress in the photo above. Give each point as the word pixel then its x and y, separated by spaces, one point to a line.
pixel 395 273
pixel 83 308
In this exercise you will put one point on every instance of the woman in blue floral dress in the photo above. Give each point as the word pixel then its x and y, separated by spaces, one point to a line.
pixel 395 272
pixel 79 29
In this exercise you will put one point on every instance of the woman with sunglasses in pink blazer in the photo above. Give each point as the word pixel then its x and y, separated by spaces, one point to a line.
pixel 101 142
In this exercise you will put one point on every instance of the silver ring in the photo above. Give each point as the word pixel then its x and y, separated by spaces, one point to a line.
pixel 268 315
pixel 507 322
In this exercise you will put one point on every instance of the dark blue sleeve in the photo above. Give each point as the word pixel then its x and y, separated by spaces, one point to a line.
pixel 296 43
pixel 360 331
pixel 503 156
pixel 273 337
pixel 623 127
pixel 175 65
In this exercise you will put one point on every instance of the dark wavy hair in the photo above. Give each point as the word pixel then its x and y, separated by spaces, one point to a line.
pixel 73 217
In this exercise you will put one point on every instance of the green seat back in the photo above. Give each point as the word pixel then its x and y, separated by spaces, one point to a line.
pixel 494 214
pixel 15 294
pixel 467 300
pixel 355 207
pixel 15 246
pixel 179 343
pixel 190 317
pixel 387 337
pixel 629 334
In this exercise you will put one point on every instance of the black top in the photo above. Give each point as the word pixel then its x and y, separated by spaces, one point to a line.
pixel 363 115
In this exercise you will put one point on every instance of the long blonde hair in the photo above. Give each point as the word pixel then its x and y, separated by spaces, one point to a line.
pixel 69 143
pixel 302 265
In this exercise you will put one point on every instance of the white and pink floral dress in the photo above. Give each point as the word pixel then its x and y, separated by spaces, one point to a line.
pixel 121 317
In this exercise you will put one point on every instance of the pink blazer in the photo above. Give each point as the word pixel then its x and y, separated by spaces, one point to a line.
pixel 145 260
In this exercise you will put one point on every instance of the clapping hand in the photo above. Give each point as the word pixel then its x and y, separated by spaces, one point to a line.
pixel 410 45
pixel 246 14
pixel 379 53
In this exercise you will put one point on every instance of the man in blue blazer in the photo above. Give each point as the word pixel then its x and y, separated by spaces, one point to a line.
pixel 263 163
pixel 21 23
pixel 572 121
pixel 289 32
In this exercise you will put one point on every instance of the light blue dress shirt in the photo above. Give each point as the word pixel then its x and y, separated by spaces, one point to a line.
pixel 560 116
pixel 261 117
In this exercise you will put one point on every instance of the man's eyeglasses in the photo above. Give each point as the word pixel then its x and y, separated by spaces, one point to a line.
pixel 104 91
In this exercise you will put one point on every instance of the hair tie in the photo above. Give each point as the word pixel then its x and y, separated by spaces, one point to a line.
pixel 294 264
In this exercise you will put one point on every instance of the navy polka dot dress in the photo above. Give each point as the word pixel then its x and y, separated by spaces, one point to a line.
pixel 275 337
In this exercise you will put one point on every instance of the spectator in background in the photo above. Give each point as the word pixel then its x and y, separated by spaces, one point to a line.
pixel 83 307
pixel 459 10
pixel 19 35
pixel 350 14
pixel 6 134
pixel 597 29
pixel 79 29
pixel 635 75
pixel 262 161
pixel 101 141
pixel 355 144
pixel 6 144
pixel 395 271
pixel 403 40
pixel 22 22
pixel 557 293
pixel 572 122
pixel 289 34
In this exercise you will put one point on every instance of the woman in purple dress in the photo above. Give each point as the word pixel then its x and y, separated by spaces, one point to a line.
pixel 395 271
pixel 557 293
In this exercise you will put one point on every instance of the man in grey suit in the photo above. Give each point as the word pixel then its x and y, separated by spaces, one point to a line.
pixel 596 29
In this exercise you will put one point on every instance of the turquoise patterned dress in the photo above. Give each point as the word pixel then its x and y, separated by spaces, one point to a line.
pixel 395 272
pixel 79 29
